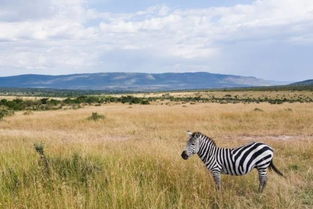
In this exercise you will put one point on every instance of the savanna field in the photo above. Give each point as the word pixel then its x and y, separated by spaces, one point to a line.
pixel 128 156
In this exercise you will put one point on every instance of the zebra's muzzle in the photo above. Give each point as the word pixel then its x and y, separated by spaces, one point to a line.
pixel 184 155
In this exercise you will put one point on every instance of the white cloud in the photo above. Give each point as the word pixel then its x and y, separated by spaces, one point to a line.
pixel 52 36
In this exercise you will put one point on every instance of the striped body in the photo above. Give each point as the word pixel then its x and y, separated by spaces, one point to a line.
pixel 238 161
pixel 233 161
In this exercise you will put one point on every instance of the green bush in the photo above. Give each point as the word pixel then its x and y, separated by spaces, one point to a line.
pixel 5 112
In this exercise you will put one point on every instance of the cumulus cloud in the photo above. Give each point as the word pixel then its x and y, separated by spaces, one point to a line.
pixel 64 36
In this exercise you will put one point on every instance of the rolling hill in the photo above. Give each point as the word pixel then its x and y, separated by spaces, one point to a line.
pixel 132 81
pixel 303 83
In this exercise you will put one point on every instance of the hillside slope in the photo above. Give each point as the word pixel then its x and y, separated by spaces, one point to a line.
pixel 132 81
pixel 303 83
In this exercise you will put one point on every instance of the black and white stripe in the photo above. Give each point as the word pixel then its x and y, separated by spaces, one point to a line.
pixel 232 161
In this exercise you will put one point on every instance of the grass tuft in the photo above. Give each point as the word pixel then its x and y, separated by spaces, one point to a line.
pixel 96 116
pixel 258 110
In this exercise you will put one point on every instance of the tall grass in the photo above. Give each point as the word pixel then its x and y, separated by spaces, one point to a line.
pixel 129 175
pixel 132 158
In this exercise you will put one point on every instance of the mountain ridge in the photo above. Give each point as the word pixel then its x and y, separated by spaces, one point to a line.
pixel 133 81
pixel 308 82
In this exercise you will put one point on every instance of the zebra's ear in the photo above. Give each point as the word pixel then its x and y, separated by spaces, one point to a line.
pixel 189 133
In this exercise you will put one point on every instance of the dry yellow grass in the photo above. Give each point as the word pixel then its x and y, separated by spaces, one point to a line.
pixel 138 148
pixel 169 122
pixel 240 94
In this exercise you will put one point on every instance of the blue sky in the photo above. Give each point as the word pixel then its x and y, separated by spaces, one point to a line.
pixel 269 39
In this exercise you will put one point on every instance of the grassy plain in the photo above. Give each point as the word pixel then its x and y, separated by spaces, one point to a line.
pixel 233 93
pixel 131 158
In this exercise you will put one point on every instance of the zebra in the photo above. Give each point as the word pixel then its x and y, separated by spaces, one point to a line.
pixel 232 161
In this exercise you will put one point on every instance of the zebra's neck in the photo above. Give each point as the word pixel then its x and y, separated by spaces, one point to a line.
pixel 207 148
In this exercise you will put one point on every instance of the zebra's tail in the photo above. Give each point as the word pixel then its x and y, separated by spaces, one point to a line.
pixel 276 170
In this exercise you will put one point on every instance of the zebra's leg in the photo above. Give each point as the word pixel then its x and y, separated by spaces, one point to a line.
pixel 262 178
pixel 217 179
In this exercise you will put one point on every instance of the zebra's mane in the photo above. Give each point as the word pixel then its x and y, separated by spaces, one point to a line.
pixel 198 134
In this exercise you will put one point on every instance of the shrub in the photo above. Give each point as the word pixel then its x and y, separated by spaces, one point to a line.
pixel 28 112
pixel 144 102
pixel 95 116
pixel 258 110
pixel 5 112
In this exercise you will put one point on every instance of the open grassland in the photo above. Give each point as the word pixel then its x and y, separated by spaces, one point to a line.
pixel 230 93
pixel 130 158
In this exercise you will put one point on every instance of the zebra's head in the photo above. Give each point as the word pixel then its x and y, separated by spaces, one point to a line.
pixel 193 145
